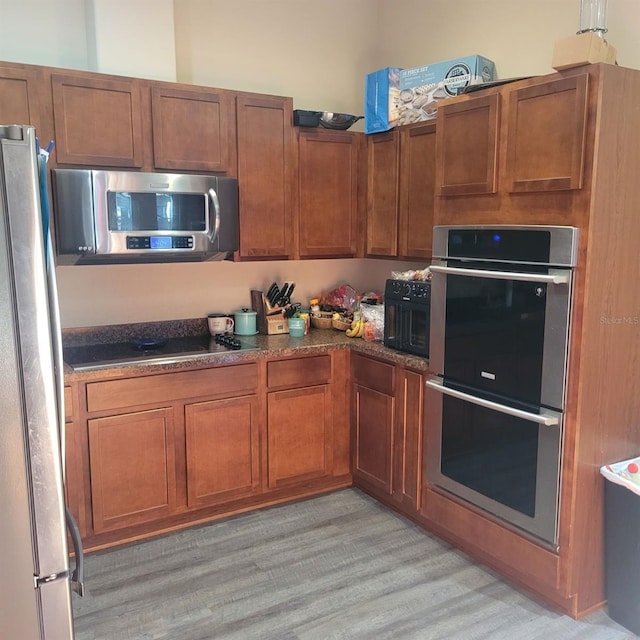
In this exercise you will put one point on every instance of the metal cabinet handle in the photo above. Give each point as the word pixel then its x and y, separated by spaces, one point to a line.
pixel 551 278
pixel 547 420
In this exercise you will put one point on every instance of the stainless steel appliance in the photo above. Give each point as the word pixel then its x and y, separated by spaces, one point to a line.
pixel 35 576
pixel 500 319
pixel 126 216
pixel 407 308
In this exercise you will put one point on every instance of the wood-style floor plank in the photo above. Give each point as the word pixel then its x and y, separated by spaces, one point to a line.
pixel 336 567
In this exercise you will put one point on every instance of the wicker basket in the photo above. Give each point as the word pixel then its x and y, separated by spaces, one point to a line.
pixel 341 324
pixel 321 319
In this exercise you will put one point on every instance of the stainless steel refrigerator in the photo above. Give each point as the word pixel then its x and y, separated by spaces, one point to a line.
pixel 35 576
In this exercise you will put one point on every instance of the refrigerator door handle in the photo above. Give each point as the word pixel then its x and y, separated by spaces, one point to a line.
pixel 77 575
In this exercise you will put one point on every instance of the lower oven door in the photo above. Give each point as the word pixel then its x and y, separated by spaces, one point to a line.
pixel 501 459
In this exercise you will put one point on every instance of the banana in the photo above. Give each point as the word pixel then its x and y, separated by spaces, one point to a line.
pixel 356 326
pixel 356 330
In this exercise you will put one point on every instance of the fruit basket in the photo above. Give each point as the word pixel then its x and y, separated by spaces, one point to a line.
pixel 341 324
pixel 321 319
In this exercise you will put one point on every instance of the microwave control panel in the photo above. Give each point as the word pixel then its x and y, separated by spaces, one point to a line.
pixel 137 243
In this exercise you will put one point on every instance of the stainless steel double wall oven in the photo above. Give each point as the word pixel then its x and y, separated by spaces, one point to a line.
pixel 500 318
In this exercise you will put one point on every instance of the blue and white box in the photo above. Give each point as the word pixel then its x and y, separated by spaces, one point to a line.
pixel 395 96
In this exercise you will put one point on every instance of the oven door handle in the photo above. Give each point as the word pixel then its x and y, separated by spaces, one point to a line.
pixel 548 420
pixel 549 278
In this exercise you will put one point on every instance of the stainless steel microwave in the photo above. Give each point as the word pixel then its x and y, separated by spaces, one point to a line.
pixel 128 216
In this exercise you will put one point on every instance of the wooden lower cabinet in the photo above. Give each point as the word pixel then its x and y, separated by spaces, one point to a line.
pixel 408 444
pixel 151 453
pixel 222 449
pixel 300 439
pixel 374 425
pixel 299 420
pixel 387 406
pixel 132 467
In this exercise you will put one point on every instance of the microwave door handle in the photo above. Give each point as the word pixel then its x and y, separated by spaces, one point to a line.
pixel 548 420
pixel 550 278
pixel 215 229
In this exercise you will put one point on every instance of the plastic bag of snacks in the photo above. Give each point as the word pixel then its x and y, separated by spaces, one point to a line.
pixel 342 298
pixel 374 321
pixel 413 274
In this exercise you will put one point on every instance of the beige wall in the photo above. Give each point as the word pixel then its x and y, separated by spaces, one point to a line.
pixel 518 35
pixel 316 52
pixel 142 45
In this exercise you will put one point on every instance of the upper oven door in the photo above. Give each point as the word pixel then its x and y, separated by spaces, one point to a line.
pixel 501 331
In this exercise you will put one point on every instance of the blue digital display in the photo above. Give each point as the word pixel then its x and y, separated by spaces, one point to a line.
pixel 160 242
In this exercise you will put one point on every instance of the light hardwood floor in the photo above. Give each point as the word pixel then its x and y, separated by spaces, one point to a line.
pixel 336 567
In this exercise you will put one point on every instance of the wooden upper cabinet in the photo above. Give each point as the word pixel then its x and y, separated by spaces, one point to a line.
pixel 266 176
pixel 97 120
pixel 546 135
pixel 328 193
pixel 382 194
pixel 192 129
pixel 467 146
pixel 18 96
pixel 417 190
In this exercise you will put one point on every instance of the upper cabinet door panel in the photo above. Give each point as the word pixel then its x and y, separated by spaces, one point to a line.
pixel 192 130
pixel 97 121
pixel 328 192
pixel 266 177
pixel 467 146
pixel 18 97
pixel 546 135
pixel 382 194
pixel 417 189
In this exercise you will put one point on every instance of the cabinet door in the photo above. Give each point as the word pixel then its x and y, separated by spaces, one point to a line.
pixel 374 419
pixel 97 121
pixel 328 193
pixel 382 194
pixel 546 135
pixel 467 146
pixel 19 97
pixel 223 450
pixel 266 177
pixel 417 190
pixel 407 465
pixel 132 467
pixel 192 129
pixel 300 438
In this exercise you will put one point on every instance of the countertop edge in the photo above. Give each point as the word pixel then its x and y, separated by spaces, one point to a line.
pixel 274 346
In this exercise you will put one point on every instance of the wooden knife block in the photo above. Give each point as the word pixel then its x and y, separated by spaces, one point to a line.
pixel 271 320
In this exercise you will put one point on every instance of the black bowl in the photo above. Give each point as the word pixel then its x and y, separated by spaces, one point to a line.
pixel 341 121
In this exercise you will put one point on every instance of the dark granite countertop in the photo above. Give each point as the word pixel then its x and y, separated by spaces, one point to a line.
pixel 268 346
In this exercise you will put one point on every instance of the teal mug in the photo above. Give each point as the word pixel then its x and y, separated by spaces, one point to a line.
pixel 297 327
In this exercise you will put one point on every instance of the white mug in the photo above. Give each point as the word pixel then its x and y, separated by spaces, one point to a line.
pixel 219 323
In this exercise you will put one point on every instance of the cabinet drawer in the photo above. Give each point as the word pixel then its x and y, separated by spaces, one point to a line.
pixel 373 374
pixel 300 372
pixel 169 387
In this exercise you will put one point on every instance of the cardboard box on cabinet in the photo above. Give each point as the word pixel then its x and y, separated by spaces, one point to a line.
pixel 583 48
pixel 396 96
